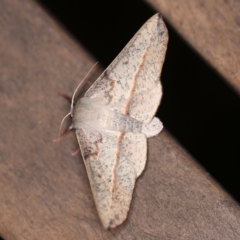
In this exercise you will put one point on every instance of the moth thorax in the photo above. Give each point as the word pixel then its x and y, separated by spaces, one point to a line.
pixel 87 113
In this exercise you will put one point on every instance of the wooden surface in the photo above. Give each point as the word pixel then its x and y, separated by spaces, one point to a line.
pixel 44 192
pixel 212 28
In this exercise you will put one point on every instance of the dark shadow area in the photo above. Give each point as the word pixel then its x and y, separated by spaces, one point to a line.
pixel 203 112
pixel 199 108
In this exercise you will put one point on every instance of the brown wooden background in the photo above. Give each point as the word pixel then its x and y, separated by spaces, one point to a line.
pixel 44 192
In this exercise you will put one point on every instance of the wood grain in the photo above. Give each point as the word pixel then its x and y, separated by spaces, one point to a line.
pixel 212 28
pixel 44 192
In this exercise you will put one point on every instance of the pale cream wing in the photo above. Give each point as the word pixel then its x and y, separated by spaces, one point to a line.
pixel 113 161
pixel 131 83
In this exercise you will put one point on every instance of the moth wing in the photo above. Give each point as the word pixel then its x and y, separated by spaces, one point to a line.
pixel 113 161
pixel 131 83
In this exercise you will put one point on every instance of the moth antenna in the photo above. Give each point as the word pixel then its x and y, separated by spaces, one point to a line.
pixel 71 110
pixel 62 124
pixel 63 135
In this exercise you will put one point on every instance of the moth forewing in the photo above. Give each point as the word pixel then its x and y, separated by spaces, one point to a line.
pixel 116 116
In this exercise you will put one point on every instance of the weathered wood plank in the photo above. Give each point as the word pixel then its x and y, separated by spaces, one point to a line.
pixel 212 28
pixel 44 192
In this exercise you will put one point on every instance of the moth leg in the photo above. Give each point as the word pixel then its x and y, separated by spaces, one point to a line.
pixel 68 98
pixel 75 152
pixel 89 83
pixel 63 135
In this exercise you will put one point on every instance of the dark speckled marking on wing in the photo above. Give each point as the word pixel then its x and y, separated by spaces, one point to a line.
pixel 89 148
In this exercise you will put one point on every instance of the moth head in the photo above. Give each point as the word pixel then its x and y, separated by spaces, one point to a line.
pixel 72 102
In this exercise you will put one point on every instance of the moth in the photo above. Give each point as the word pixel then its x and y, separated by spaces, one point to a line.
pixel 116 116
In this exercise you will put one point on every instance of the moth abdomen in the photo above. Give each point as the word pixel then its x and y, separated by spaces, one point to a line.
pixel 152 128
